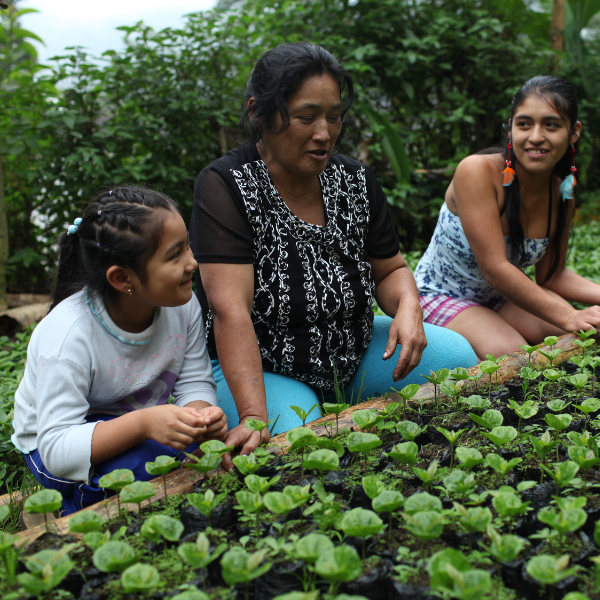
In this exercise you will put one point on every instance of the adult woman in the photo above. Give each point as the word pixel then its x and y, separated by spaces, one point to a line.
pixel 292 242
pixel 494 222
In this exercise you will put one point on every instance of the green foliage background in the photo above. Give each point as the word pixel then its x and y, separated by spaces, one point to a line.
pixel 434 81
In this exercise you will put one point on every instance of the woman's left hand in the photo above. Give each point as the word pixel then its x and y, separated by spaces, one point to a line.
pixel 407 330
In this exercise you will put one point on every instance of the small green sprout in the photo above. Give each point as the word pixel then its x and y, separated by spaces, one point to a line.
pixel 161 466
pixel 43 502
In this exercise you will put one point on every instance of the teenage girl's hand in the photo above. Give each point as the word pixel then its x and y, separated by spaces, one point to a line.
pixel 173 426
pixel 588 318
pixel 216 423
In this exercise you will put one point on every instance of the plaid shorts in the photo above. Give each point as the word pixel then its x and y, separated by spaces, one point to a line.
pixel 441 309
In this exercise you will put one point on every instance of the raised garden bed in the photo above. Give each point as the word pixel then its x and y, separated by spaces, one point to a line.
pixel 450 490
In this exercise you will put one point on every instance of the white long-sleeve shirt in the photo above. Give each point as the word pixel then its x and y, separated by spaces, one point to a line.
pixel 79 362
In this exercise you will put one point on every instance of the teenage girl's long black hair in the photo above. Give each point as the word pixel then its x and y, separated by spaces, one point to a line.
pixel 120 227
pixel 562 97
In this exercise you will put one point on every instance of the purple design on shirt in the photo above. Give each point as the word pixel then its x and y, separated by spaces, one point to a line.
pixel 155 394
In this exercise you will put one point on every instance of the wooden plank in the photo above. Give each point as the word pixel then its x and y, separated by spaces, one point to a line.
pixel 182 480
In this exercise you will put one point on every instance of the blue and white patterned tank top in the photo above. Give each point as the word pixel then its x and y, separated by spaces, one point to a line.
pixel 449 266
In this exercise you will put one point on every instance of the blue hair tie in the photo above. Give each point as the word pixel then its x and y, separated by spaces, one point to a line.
pixel 71 229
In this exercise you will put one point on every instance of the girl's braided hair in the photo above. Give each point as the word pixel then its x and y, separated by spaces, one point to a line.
pixel 121 226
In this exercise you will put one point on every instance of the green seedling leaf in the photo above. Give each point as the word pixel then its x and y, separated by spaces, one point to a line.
pixel 373 486
pixel 114 557
pixel 340 564
pixel 249 464
pixel 360 522
pixel 301 437
pixel 162 465
pixel 255 424
pixel 459 482
pixel 424 525
pixel 363 442
pixel 544 445
pixel 422 502
pixel 299 495
pixel 581 439
pixel 549 570
pixel 508 504
pixel 86 521
pixel 158 526
pixel 501 436
pixel 450 389
pixel 206 463
pixel 7 541
pixel 488 367
pixel 459 374
pixel 44 501
pixel 191 594
pixel 476 402
pixel 137 492
pixel 430 475
pixel 500 465
pixel 47 569
pixel 140 578
pixel 451 436
pixel 334 409
pixel 116 480
pixel 4 512
pixel 207 502
pixel 529 349
pixel 489 419
pixel 95 539
pixel 579 380
pixel 260 485
pixel 241 567
pixel 438 568
pixel 405 453
pixel 552 374
pixel 324 460
pixel 216 446
pixel 409 430
pixel 558 422
pixel 329 444
pixel 557 405
pixel 564 521
pixel 563 472
pixel 504 548
pixel 367 418
pixel 550 340
pixel 389 410
pixel 310 547
pixel 408 391
pixel 279 503
pixel 388 501
pixel 588 406
pixel 526 410
pixel 583 457
pixel 249 502
pixel 473 519
pixel 469 458
pixel 198 555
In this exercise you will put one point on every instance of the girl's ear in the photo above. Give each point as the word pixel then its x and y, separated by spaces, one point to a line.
pixel 119 278
pixel 576 133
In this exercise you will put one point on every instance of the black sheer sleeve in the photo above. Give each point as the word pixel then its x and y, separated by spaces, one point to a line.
pixel 219 229
pixel 382 241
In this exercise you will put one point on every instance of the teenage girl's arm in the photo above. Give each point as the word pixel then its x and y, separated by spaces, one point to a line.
pixel 565 282
pixel 476 189
pixel 397 296
pixel 230 292
pixel 171 425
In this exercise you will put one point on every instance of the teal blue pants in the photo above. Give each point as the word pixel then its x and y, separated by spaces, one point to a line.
pixel 445 348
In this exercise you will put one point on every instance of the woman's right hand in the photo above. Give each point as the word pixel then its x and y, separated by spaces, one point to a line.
pixel 586 319
pixel 245 438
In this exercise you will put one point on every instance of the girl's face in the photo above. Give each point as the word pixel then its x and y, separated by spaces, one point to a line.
pixel 169 270
pixel 540 136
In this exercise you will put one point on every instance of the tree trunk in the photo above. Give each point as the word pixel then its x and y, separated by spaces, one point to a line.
pixel 557 26
pixel 3 240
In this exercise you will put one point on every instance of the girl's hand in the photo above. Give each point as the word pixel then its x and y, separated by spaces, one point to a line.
pixel 588 318
pixel 216 423
pixel 174 426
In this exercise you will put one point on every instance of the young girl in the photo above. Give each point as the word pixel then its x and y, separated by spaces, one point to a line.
pixel 124 333
pixel 503 213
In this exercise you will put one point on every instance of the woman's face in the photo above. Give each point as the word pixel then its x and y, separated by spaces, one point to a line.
pixel 540 136
pixel 305 147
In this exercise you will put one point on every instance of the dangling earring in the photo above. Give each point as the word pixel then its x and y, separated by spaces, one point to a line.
pixel 569 182
pixel 509 172
pixel 130 292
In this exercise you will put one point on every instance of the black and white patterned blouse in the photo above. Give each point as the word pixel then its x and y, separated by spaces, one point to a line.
pixel 313 284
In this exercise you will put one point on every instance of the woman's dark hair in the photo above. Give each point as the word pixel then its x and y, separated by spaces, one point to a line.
pixel 278 74
pixel 562 97
pixel 120 227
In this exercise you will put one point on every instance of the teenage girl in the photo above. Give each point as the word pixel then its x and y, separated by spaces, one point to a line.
pixel 123 335
pixel 501 214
